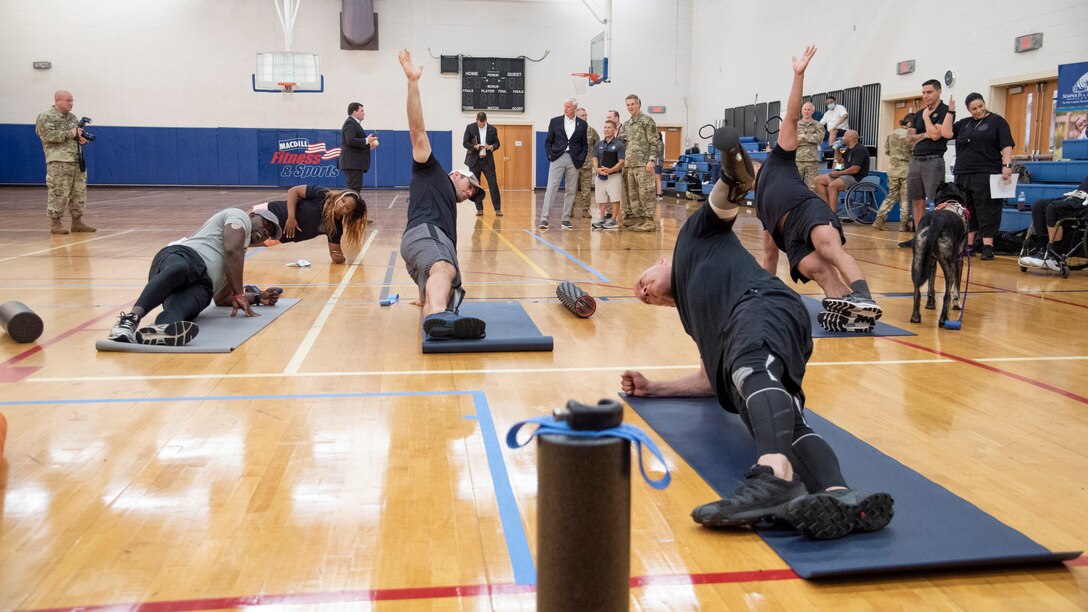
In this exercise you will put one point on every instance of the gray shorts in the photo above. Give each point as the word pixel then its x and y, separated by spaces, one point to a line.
pixel 423 246
pixel 848 180
pixel 923 177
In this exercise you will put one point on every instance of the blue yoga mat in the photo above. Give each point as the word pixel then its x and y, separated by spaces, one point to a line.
pixel 881 329
pixel 932 528
pixel 509 329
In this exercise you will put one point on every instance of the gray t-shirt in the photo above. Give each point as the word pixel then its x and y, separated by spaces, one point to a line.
pixel 208 242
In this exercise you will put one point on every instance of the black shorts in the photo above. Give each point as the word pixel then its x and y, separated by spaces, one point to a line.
pixel 797 229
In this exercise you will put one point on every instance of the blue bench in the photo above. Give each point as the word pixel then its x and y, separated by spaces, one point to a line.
pixel 1042 191
pixel 1075 149
pixel 1057 172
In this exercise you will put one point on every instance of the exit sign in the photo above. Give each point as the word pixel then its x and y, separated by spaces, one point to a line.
pixel 1028 42
pixel 906 67
pixel 656 110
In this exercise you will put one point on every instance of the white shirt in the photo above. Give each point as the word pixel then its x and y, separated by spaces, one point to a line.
pixel 483 134
pixel 568 126
pixel 833 116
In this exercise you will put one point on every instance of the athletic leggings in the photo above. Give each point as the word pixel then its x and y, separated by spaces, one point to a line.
pixel 776 420
pixel 179 282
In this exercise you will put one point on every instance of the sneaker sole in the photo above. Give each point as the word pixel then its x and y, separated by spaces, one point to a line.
pixel 847 308
pixel 825 517
pixel 835 322
pixel 465 328
pixel 178 333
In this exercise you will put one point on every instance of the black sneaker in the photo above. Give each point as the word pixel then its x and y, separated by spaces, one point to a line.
pixel 854 306
pixel 567 225
pixel 987 252
pixel 452 326
pixel 835 322
pixel 125 329
pixel 833 514
pixel 543 224
pixel 737 170
pixel 178 333
pixel 761 497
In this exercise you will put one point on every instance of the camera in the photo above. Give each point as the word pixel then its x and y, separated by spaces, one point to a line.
pixel 87 135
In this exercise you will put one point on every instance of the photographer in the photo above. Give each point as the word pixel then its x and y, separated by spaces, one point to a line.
pixel 65 172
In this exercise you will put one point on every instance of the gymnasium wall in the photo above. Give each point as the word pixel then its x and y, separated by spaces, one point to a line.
pixel 186 64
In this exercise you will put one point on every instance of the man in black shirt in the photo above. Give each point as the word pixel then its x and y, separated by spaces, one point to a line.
pixel 798 222
pixel 754 339
pixel 429 243
pixel 855 166
pixel 932 129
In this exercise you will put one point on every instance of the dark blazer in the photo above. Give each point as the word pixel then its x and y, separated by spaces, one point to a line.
pixel 354 150
pixel 556 142
pixel 472 157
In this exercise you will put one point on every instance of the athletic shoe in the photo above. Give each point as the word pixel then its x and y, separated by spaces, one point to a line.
pixel 610 224
pixel 833 514
pixel 597 225
pixel 737 170
pixel 125 329
pixel 452 326
pixel 567 225
pixel 987 252
pixel 479 213
pixel 854 306
pixel 762 496
pixel 178 333
pixel 835 322
pixel 543 225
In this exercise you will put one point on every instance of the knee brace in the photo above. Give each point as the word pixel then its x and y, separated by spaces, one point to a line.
pixel 768 407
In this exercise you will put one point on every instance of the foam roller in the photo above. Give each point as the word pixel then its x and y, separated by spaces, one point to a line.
pixel 20 322
pixel 577 301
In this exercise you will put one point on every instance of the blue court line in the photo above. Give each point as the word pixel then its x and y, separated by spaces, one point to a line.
pixel 517 542
pixel 253 252
pixel 388 276
pixel 602 277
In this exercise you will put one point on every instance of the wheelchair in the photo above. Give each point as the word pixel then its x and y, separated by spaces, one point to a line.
pixel 1072 249
pixel 862 200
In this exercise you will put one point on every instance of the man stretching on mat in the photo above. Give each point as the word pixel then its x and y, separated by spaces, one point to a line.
pixel 188 273
pixel 429 243
pixel 798 222
pixel 754 338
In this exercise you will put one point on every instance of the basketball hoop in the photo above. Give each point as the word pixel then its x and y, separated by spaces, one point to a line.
pixel 288 88
pixel 579 80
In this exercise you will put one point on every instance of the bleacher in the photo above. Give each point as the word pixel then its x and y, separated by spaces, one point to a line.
pixel 1049 179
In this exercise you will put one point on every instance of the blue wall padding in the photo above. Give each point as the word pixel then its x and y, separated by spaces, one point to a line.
pixel 124 155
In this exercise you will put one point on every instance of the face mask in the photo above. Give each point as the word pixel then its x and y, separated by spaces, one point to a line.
pixel 831 106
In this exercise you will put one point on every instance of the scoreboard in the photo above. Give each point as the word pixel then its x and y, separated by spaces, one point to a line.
pixel 493 83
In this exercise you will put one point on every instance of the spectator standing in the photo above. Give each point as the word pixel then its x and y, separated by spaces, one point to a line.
pixel 65 170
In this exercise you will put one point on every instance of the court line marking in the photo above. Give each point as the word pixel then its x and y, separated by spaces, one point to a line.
pixel 393 202
pixel 510 245
pixel 447 372
pixel 387 283
pixel 517 542
pixel 564 253
pixel 66 245
pixel 315 329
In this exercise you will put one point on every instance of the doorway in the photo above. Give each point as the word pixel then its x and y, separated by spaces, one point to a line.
pixel 673 136
pixel 1029 109
pixel 514 161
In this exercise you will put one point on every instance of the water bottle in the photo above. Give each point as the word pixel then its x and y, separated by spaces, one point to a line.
pixel 1021 202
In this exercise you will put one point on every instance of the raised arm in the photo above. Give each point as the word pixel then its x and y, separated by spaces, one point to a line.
pixel 787 134
pixel 421 146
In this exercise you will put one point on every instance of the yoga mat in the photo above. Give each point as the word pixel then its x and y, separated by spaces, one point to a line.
pixel 509 329
pixel 881 329
pixel 219 332
pixel 932 528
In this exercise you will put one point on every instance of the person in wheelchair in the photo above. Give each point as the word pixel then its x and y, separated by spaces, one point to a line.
pixel 1044 219
pixel 855 166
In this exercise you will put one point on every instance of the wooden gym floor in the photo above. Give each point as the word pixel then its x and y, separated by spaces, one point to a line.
pixel 328 464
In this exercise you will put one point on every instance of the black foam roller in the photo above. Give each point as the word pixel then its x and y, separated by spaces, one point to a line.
pixel 20 322
pixel 583 523
pixel 577 301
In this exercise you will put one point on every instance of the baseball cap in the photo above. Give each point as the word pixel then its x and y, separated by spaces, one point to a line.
pixel 465 172
pixel 267 214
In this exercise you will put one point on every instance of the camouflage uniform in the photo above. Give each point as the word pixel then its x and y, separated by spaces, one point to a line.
pixel 585 175
pixel 809 136
pixel 67 184
pixel 643 145
pixel 898 150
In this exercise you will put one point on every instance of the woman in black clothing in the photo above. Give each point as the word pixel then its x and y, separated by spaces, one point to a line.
pixel 311 211
pixel 983 147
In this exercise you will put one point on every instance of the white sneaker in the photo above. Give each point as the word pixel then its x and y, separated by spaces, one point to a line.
pixel 125 329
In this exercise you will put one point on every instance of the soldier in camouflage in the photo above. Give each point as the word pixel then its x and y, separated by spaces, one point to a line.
pixel 585 173
pixel 809 136
pixel 898 149
pixel 643 152
pixel 65 180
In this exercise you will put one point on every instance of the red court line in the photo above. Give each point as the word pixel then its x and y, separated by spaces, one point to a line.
pixel 8 371
pixel 990 368
pixel 421 593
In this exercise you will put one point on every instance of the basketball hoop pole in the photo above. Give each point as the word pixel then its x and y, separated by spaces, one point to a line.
pixel 287 11
pixel 606 21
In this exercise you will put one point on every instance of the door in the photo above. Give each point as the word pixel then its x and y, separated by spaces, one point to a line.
pixel 674 143
pixel 904 107
pixel 1029 109
pixel 514 161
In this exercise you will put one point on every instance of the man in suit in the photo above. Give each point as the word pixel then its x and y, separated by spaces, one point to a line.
pixel 480 142
pixel 566 147
pixel 355 146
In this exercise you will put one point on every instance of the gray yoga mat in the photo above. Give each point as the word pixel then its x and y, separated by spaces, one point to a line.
pixel 219 332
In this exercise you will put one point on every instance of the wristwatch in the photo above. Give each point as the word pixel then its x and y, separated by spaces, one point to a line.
pixel 1006 165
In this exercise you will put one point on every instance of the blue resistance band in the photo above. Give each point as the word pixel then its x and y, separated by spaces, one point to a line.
pixel 547 425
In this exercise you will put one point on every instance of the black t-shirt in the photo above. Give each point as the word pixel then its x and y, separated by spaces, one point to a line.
pixel 858 156
pixel 979 144
pixel 926 146
pixel 432 198
pixel 308 215
pixel 711 273
pixel 780 189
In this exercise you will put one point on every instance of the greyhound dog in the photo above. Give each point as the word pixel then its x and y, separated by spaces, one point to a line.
pixel 941 239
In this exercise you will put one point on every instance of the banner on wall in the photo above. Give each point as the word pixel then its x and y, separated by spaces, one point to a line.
pixel 299 158
pixel 1071 112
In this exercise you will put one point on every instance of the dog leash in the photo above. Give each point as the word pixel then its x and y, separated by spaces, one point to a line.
pixel 958 323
